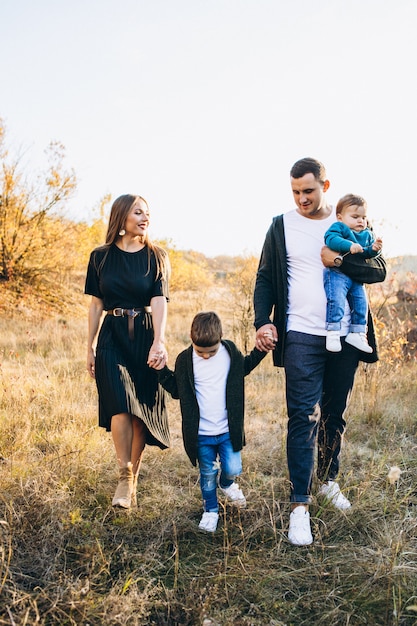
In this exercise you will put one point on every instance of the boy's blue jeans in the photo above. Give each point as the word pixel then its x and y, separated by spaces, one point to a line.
pixel 340 288
pixel 318 386
pixel 210 449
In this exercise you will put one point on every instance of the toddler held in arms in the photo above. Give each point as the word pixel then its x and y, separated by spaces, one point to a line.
pixel 208 379
pixel 349 235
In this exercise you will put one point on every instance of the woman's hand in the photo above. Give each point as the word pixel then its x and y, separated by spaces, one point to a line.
pixel 158 356
pixel 94 315
pixel 91 363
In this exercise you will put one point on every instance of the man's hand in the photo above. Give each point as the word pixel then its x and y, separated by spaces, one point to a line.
pixel 266 337
pixel 328 256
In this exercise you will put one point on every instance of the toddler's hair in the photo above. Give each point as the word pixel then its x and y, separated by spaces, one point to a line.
pixel 206 329
pixel 350 199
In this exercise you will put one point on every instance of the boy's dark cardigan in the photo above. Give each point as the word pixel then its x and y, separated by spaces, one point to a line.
pixel 180 384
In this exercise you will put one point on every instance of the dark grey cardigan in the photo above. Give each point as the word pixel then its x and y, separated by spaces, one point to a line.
pixel 180 384
pixel 271 292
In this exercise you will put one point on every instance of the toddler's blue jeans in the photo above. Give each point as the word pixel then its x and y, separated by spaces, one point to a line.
pixel 340 288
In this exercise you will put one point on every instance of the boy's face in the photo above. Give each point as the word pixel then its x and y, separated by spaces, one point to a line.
pixel 206 353
pixel 354 216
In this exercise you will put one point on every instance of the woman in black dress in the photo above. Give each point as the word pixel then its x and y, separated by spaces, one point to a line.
pixel 128 279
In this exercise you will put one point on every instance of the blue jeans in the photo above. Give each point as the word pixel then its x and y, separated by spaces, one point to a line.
pixel 318 387
pixel 340 288
pixel 211 450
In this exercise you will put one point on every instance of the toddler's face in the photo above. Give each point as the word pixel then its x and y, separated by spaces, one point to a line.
pixel 355 217
pixel 206 353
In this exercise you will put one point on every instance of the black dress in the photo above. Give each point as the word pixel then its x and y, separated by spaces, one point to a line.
pixel 125 383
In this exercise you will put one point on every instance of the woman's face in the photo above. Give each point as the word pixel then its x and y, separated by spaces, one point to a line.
pixel 137 220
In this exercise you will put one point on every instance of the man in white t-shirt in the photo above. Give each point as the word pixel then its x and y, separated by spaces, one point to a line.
pixel 289 283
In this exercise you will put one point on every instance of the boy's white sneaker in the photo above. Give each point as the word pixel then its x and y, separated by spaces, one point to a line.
pixel 208 522
pixel 359 341
pixel 299 533
pixel 331 492
pixel 333 341
pixel 234 494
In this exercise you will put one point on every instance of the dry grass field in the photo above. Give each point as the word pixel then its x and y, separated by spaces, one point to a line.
pixel 67 557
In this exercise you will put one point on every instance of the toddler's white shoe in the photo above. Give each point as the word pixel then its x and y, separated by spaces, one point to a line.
pixel 359 341
pixel 333 341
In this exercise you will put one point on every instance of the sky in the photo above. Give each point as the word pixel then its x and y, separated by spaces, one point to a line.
pixel 203 106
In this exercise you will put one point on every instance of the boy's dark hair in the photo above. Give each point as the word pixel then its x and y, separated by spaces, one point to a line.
pixel 309 166
pixel 350 199
pixel 206 329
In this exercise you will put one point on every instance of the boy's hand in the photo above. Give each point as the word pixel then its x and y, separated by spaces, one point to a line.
pixel 159 366
pixel 377 245
pixel 355 248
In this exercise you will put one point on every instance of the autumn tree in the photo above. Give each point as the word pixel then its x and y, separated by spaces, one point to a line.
pixel 189 270
pixel 30 227
pixel 91 235
pixel 241 283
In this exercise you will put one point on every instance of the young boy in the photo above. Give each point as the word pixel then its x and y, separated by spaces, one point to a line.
pixel 209 382
pixel 349 234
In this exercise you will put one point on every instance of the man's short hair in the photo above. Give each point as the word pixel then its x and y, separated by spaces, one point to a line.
pixel 309 166
pixel 206 329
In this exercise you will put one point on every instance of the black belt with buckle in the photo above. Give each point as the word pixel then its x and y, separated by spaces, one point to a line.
pixel 131 314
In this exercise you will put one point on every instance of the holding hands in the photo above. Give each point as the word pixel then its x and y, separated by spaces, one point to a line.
pixel 158 356
pixel 266 337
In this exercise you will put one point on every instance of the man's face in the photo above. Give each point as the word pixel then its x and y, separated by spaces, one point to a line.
pixel 309 195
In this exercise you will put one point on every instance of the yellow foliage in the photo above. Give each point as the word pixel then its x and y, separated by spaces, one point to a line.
pixel 241 284
pixel 189 270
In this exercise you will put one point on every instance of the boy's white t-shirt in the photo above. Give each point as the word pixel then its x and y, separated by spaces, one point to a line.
pixel 210 376
pixel 304 239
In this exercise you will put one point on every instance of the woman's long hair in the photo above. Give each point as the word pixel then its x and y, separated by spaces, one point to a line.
pixel 120 209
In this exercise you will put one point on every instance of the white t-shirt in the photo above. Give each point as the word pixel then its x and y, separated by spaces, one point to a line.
pixel 210 377
pixel 304 239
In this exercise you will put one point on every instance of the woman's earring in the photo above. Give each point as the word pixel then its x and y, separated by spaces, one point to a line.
pixel 122 232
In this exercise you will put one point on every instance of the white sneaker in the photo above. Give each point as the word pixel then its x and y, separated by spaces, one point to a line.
pixel 359 341
pixel 234 494
pixel 208 522
pixel 333 341
pixel 331 491
pixel 299 533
